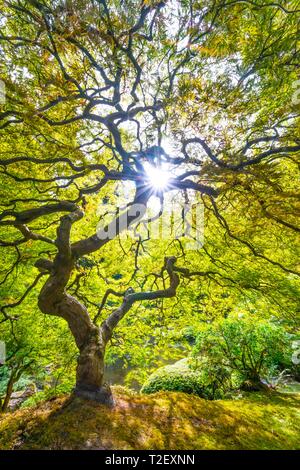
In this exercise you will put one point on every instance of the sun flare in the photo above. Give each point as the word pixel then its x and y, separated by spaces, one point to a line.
pixel 158 178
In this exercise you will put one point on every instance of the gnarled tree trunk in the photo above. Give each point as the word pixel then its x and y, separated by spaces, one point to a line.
pixel 54 300
pixel 88 338
pixel 90 370
pixel 254 384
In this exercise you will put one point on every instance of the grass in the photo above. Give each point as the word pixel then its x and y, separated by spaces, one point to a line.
pixel 163 420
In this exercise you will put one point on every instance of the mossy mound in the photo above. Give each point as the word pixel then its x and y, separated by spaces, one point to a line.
pixel 183 377
pixel 178 377
pixel 160 421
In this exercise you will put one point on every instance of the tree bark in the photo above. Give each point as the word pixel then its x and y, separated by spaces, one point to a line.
pixel 9 390
pixel 54 300
pixel 90 371
pixel 88 337
pixel 14 377
pixel 254 384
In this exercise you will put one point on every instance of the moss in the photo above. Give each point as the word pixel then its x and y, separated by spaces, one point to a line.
pixel 160 421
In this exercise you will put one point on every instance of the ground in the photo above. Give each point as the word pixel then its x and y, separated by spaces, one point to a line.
pixel 159 421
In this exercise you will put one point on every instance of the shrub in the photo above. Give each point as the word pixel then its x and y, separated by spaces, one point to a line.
pixel 183 377
pixel 229 354
pixel 252 349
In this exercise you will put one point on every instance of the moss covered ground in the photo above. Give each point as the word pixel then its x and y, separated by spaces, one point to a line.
pixel 163 420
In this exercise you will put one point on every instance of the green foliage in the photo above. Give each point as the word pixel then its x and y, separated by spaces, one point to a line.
pixel 177 377
pixel 184 377
pixel 228 354
pixel 254 349
pixel 45 360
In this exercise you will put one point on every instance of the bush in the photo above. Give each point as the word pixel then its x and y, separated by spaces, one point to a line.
pixel 228 355
pixel 183 377
pixel 252 349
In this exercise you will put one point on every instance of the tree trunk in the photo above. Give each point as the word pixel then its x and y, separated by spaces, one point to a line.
pixel 254 384
pixel 90 371
pixel 9 390
pixel 53 300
